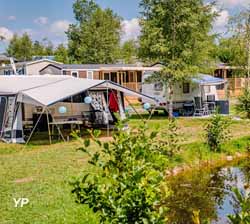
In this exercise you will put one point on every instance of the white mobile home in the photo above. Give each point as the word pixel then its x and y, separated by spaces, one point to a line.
pixel 185 94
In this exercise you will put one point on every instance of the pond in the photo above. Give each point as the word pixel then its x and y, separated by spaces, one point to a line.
pixel 207 191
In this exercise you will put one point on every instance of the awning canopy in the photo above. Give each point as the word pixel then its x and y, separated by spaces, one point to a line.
pixel 208 80
pixel 47 90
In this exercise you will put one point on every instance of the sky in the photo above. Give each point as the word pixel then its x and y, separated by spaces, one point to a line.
pixel 51 18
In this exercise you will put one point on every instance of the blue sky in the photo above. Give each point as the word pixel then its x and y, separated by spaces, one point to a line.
pixel 50 18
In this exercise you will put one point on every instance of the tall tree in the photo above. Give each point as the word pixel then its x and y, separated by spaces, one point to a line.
pixel 129 51
pixel 48 47
pixel 239 26
pixel 20 47
pixel 38 49
pixel 175 33
pixel 61 54
pixel 95 37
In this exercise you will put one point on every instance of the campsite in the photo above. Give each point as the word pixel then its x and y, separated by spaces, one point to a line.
pixel 125 112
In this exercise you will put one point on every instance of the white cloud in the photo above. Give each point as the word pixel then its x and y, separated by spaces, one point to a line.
pixel 59 27
pixel 11 18
pixel 41 20
pixel 233 3
pixel 131 29
pixel 221 20
pixel 6 33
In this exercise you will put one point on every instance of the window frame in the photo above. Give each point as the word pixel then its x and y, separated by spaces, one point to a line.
pixel 76 72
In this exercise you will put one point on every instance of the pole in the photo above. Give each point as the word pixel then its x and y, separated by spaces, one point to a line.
pixel 36 125
pixel 107 105
pixel 47 114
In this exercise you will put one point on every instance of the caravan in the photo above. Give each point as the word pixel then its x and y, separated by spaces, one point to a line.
pixel 198 96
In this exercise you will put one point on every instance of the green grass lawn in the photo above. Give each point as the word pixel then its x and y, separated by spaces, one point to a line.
pixel 42 172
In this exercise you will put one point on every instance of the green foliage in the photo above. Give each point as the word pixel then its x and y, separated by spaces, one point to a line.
pixel 242 203
pixel 217 132
pixel 170 138
pixel 175 33
pixel 243 105
pixel 61 54
pixel 128 185
pixel 20 47
pixel 95 37
pixel 129 52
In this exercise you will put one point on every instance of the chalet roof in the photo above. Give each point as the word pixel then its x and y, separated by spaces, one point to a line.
pixel 106 67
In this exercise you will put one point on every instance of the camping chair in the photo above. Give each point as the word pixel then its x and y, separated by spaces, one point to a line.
pixel 211 103
pixel 200 109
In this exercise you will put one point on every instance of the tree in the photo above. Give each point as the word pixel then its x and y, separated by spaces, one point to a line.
pixel 61 54
pixel 243 105
pixel 175 33
pixel 217 132
pixel 239 27
pixel 48 47
pixel 20 47
pixel 38 49
pixel 95 37
pixel 129 52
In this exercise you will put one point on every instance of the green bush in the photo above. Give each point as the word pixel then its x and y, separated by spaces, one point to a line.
pixel 243 105
pixel 128 185
pixel 242 203
pixel 217 132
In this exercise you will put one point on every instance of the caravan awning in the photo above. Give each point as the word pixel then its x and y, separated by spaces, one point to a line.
pixel 208 80
pixel 47 90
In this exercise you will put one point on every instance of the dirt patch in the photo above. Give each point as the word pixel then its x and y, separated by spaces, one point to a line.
pixel 24 180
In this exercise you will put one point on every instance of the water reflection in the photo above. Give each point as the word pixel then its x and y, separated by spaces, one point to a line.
pixel 207 191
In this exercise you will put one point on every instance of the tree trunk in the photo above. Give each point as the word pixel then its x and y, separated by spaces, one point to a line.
pixel 170 100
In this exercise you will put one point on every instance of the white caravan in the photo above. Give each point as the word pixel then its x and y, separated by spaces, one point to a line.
pixel 203 87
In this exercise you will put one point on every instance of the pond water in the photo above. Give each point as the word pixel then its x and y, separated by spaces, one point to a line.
pixel 207 191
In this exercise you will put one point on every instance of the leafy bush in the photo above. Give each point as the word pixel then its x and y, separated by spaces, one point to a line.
pixel 170 138
pixel 243 105
pixel 217 132
pixel 242 202
pixel 128 185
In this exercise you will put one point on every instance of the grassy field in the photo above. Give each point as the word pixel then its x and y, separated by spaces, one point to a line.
pixel 42 172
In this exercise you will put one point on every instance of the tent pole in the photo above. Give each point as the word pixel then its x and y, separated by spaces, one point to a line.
pixel 107 91
pixel 47 114
pixel 58 129
pixel 134 109
pixel 35 125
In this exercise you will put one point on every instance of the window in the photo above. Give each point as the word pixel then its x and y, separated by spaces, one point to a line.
pixel 158 86
pixel 90 75
pixel 64 72
pixel 139 76
pixel 186 88
pixel 75 74
pixel 113 77
pixel 106 76
pixel 220 87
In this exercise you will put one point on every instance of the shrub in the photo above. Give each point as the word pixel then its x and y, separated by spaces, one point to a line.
pixel 128 185
pixel 242 203
pixel 243 105
pixel 217 132
pixel 170 138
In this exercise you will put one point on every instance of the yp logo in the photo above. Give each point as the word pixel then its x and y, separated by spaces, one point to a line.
pixel 20 202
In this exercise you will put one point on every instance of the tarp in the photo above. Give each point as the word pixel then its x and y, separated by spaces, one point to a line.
pixel 208 80
pixel 47 90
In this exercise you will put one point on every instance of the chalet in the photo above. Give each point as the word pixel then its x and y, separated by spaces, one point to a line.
pixel 235 77
pixel 129 76
pixel 28 68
